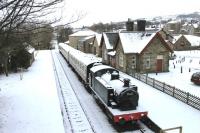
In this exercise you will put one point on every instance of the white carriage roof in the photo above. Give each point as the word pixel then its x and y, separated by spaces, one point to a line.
pixel 86 59
pixel 135 42
pixel 65 46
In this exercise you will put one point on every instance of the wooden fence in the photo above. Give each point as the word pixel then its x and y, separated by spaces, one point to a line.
pixel 183 96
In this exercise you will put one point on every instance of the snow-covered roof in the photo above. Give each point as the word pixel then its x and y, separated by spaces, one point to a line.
pixel 195 25
pixel 135 42
pixel 88 37
pixel 194 40
pixel 85 32
pixel 30 49
pixel 98 38
pixel 174 22
pixel 110 39
pixel 176 37
pixel 112 53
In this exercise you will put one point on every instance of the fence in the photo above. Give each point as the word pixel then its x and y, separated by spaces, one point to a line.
pixel 183 96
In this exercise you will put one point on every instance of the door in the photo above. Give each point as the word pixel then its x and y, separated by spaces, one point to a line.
pixel 159 65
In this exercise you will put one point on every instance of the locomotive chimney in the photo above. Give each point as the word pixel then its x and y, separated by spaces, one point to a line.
pixel 141 25
pixel 114 75
pixel 126 82
pixel 129 25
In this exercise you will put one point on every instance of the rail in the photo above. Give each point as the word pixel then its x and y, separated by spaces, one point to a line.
pixel 75 113
pixel 183 96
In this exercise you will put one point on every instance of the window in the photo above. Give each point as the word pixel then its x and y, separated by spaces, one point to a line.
pixel 121 59
pixel 147 62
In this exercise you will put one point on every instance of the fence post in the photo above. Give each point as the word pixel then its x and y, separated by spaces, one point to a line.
pixel 146 78
pixel 173 91
pixel 188 95
pixel 153 82
pixel 163 86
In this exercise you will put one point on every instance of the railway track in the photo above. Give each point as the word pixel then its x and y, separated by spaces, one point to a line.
pixel 92 127
pixel 73 113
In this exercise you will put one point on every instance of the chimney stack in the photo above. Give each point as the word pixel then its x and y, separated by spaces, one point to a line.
pixel 141 25
pixel 129 25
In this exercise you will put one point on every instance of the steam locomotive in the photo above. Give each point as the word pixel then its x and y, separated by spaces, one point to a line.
pixel 117 95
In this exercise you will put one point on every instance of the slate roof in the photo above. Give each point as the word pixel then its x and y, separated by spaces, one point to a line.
pixel 111 39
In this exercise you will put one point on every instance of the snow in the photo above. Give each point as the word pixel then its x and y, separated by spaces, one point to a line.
pixel 187 60
pixel 107 43
pixel 98 38
pixel 85 32
pixel 194 40
pixel 135 42
pixel 31 105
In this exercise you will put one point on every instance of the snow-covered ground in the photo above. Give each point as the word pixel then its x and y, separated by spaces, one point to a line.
pixel 188 60
pixel 31 105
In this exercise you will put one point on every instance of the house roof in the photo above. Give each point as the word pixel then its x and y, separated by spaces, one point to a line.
pixel 85 32
pixel 194 40
pixel 98 38
pixel 135 42
pixel 87 38
pixel 176 37
pixel 110 39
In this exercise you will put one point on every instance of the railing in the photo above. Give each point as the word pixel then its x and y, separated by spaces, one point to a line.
pixel 170 129
pixel 183 96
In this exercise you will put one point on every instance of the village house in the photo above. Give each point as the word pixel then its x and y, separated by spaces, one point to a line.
pixel 186 42
pixel 86 44
pixel 142 52
pixel 76 39
pixel 96 45
pixel 190 29
pixel 173 27
pixel 108 43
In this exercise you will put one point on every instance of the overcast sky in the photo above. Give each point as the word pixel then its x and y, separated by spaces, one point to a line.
pixel 120 10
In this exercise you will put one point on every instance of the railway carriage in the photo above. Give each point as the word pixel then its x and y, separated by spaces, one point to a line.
pixel 117 95
pixel 64 50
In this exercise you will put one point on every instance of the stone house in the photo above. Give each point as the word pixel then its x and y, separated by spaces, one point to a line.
pixel 190 29
pixel 96 45
pixel 173 27
pixel 186 42
pixel 86 44
pixel 107 45
pixel 76 39
pixel 142 52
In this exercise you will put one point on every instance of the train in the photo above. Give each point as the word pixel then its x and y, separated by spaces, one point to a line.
pixel 115 93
